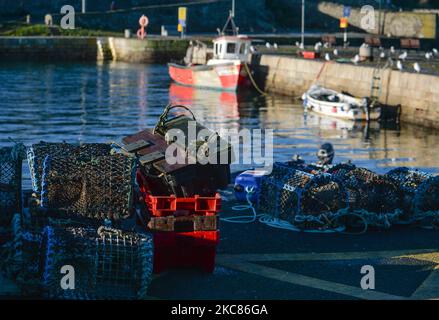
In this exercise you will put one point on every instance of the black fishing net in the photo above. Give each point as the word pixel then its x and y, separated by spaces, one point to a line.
pixel 90 186
pixel 108 263
pixel 38 152
pixel 427 196
pixel 21 257
pixel 10 182
pixel 408 181
pixel 372 192
pixel 339 171
pixel 287 193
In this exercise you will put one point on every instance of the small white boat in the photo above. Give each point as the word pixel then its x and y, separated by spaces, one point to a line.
pixel 332 103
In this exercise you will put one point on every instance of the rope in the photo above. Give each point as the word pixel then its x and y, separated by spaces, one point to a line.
pixel 330 222
pixel 253 80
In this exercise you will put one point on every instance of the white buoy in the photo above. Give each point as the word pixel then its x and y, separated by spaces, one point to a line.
pixel 417 67
pixel 403 56
pixel 335 52
pixel 327 57
pixel 399 65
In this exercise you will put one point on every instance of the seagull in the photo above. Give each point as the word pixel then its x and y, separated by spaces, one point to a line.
pixel 399 65
pixel 417 67
pixel 327 57
pixel 317 47
pixel 392 50
pixel 356 59
pixel 403 56
pixel 252 49
pixel 297 44
pixel 275 46
pixel 382 55
pixel 435 52
pixel 428 55
pixel 268 45
pixel 335 52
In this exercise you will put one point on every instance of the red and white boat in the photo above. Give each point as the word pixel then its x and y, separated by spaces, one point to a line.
pixel 225 71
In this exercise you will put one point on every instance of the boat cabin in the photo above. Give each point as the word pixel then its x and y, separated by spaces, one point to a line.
pixel 231 48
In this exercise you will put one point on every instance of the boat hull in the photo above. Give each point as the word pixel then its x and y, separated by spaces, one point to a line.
pixel 348 107
pixel 220 77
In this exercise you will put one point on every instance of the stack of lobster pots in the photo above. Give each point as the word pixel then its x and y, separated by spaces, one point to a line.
pixel 178 191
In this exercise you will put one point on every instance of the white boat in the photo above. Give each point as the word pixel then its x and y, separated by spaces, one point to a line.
pixel 332 103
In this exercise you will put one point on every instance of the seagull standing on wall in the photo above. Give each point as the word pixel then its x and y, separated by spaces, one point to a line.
pixel 428 55
pixel 275 46
pixel 403 56
pixel 399 65
pixel 268 45
pixel 417 67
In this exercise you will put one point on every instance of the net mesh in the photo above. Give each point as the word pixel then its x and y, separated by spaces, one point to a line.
pixel 38 152
pixel 10 182
pixel 90 186
pixel 21 257
pixel 371 192
pixel 287 193
pixel 108 263
pixel 426 198
pixel 408 181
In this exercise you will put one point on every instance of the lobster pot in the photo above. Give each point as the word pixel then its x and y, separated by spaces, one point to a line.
pixel 95 187
pixel 10 183
pixel 372 192
pixel 22 257
pixel 408 181
pixel 426 199
pixel 38 152
pixel 339 171
pixel 107 263
pixel 287 193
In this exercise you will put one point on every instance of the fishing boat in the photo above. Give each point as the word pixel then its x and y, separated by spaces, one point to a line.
pixel 226 70
pixel 341 105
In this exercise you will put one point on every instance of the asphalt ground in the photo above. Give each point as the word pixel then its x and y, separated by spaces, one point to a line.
pixel 255 261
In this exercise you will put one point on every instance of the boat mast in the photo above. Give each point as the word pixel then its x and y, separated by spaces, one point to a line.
pixel 230 21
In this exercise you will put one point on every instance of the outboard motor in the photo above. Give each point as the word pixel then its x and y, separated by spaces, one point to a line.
pixel 325 154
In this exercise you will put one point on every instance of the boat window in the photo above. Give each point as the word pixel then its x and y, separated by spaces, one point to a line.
pixel 231 47
pixel 242 49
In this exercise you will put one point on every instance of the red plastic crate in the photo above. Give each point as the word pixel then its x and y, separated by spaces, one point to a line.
pixel 162 206
pixel 195 249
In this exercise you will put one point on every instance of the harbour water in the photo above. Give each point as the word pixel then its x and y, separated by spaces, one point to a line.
pixel 99 102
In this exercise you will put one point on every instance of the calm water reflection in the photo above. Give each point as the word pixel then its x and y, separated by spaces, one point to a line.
pixel 101 102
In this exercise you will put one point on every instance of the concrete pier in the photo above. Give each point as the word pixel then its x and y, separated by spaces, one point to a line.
pixel 418 94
